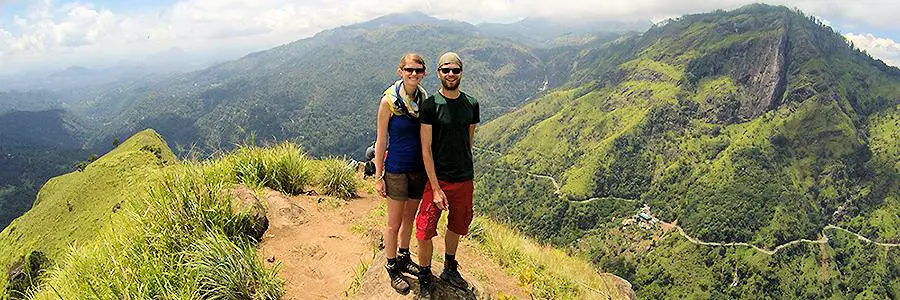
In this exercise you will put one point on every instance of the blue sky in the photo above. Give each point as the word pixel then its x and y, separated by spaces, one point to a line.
pixel 42 34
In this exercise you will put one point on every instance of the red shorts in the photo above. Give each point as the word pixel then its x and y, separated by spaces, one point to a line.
pixel 459 197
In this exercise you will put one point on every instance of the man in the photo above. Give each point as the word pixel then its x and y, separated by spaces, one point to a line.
pixel 448 125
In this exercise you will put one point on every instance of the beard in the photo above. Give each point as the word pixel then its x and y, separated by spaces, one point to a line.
pixel 450 86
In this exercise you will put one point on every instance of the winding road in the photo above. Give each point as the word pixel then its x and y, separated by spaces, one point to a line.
pixel 822 240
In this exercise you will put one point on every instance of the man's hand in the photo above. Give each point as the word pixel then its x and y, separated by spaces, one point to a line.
pixel 379 187
pixel 440 199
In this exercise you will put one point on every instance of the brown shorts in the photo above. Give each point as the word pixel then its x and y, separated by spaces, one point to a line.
pixel 404 186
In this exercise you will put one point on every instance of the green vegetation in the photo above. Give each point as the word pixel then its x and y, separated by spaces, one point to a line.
pixel 34 146
pixel 178 235
pixel 547 273
pixel 72 208
pixel 338 178
pixel 758 125
pixel 321 92
pixel 291 92
pixel 844 268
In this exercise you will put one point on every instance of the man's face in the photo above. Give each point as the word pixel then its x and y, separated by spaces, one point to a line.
pixel 450 74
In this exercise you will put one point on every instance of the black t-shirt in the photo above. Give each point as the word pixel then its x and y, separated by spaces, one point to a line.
pixel 450 120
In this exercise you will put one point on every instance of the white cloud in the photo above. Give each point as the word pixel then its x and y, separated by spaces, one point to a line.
pixel 882 48
pixel 58 35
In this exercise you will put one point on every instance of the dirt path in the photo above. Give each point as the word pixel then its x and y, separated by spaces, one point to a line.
pixel 487 279
pixel 325 249
pixel 313 242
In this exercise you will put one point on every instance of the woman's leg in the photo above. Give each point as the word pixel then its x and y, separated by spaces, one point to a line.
pixel 395 214
pixel 410 208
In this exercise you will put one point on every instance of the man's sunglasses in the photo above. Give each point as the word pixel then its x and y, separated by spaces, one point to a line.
pixel 414 70
pixel 448 70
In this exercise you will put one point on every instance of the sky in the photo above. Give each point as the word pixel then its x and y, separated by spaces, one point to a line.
pixel 54 34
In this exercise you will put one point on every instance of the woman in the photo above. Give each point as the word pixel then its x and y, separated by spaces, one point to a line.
pixel 400 176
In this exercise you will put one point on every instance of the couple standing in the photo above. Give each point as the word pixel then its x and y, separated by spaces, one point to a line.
pixel 430 158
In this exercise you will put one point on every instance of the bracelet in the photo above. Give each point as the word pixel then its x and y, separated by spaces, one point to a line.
pixel 379 177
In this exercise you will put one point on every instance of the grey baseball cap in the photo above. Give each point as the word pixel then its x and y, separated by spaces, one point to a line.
pixel 449 58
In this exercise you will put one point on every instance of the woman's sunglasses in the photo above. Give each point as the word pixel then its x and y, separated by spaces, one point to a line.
pixel 448 70
pixel 414 70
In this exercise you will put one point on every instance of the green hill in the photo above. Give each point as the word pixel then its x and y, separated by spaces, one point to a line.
pixel 72 208
pixel 137 223
pixel 757 125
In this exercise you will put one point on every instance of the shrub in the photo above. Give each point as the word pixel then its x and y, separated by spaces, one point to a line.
pixel 338 178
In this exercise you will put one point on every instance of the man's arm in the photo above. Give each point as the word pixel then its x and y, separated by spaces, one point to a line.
pixel 425 133
pixel 471 136
pixel 476 114
pixel 427 156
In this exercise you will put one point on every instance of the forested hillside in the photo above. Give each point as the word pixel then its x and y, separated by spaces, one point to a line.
pixel 320 91
pixel 759 125
pixel 323 91
pixel 35 146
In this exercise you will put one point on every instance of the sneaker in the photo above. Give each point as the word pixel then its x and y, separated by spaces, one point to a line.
pixel 451 275
pixel 406 265
pixel 397 281
pixel 425 285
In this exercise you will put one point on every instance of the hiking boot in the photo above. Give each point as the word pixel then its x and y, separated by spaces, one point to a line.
pixel 451 275
pixel 406 265
pixel 425 285
pixel 397 281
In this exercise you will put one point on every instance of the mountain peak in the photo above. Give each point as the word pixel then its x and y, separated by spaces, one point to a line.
pixel 406 18
pixel 73 71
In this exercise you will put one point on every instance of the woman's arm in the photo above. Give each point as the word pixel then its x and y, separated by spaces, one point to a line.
pixel 384 116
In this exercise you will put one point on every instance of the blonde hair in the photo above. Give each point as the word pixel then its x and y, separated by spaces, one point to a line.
pixel 411 57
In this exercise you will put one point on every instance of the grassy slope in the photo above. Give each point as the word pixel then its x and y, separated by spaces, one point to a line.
pixel 72 208
pixel 177 237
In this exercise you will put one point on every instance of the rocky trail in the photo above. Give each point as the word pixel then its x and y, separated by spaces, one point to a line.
pixel 327 248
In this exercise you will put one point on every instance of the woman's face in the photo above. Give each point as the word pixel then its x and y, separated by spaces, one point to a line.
pixel 412 73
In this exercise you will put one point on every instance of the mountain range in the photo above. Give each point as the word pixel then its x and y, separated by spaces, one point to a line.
pixel 746 139
pixel 320 91
pixel 758 127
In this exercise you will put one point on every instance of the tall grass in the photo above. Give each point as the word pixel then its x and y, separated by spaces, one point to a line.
pixel 283 167
pixel 225 270
pixel 338 178
pixel 183 240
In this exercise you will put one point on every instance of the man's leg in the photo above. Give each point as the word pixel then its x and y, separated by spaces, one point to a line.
pixel 426 229
pixel 459 196
pixel 451 242
pixel 426 248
